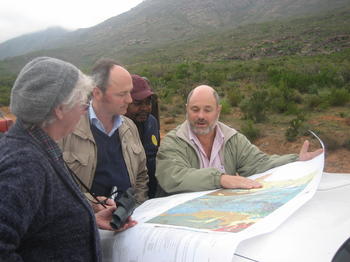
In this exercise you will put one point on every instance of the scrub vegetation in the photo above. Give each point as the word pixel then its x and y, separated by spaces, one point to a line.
pixel 276 79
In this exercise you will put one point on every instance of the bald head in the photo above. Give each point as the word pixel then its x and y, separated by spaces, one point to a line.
pixel 119 76
pixel 203 91
pixel 101 72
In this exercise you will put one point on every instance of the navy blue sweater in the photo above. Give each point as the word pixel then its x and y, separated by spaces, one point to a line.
pixel 43 215
pixel 111 169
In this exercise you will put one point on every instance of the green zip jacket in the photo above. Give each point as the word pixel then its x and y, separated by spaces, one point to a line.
pixel 178 165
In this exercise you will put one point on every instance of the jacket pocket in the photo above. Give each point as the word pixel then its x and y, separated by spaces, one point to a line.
pixel 136 149
pixel 76 161
pixel 133 160
pixel 81 165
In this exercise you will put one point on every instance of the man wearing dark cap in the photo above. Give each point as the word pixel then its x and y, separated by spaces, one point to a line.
pixel 140 112
pixel 105 150
pixel 43 214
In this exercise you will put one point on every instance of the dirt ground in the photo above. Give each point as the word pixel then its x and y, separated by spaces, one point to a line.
pixel 336 161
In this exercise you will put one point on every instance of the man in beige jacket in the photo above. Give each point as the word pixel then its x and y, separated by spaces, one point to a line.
pixel 105 150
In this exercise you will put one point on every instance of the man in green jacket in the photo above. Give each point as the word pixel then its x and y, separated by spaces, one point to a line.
pixel 203 153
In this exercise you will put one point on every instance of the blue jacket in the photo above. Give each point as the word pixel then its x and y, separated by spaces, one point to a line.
pixel 43 214
pixel 149 135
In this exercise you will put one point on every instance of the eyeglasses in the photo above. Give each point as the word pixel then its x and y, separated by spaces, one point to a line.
pixel 85 106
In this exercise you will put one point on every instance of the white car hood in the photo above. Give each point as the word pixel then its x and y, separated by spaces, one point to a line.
pixel 313 233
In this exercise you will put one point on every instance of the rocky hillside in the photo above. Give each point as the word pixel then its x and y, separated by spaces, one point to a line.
pixel 154 23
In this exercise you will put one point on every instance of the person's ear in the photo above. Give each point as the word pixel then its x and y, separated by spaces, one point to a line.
pixel 58 111
pixel 97 93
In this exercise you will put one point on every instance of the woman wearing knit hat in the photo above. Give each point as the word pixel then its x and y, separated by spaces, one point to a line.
pixel 43 214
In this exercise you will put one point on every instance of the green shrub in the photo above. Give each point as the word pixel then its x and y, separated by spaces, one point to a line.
pixel 329 75
pixel 313 101
pixel 197 67
pixel 182 71
pixel 225 107
pixel 306 77
pixel 284 99
pixel 215 78
pixel 250 131
pixel 197 71
pixel 4 96
pixel 292 79
pixel 166 95
pixel 6 83
pixel 338 97
pixel 342 114
pixel 255 107
pixel 292 109
pixel 295 128
pixel 234 96
pixel 318 101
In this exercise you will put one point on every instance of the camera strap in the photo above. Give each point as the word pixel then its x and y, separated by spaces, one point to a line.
pixel 76 178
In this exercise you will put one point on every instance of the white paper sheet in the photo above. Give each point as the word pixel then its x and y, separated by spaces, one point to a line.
pixel 165 242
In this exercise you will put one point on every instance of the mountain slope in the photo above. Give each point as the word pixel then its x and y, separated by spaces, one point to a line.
pixel 31 42
pixel 312 35
pixel 156 23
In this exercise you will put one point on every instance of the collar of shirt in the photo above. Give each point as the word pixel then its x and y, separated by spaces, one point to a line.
pixel 97 123
pixel 46 142
pixel 215 160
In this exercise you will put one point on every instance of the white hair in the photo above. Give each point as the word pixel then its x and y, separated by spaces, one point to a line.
pixel 80 94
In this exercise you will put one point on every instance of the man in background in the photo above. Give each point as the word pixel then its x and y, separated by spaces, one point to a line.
pixel 105 150
pixel 140 112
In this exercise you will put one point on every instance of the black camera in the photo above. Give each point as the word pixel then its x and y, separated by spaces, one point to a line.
pixel 126 205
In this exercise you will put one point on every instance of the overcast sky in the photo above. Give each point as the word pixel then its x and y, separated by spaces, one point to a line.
pixel 19 17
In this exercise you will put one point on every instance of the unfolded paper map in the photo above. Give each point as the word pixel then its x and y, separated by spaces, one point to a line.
pixel 229 210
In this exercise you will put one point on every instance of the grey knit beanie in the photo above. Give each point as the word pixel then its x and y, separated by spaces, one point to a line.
pixel 42 85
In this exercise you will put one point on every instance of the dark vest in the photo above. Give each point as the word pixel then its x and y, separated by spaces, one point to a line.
pixel 111 169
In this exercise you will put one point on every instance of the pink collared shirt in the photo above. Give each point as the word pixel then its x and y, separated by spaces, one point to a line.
pixel 215 161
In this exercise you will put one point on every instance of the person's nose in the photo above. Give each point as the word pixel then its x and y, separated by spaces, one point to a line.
pixel 200 114
pixel 128 99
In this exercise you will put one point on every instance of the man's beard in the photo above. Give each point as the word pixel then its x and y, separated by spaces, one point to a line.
pixel 143 114
pixel 201 130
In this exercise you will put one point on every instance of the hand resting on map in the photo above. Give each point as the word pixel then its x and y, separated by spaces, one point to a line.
pixel 228 181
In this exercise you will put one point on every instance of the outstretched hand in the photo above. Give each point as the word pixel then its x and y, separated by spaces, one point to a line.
pixel 228 181
pixel 304 155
